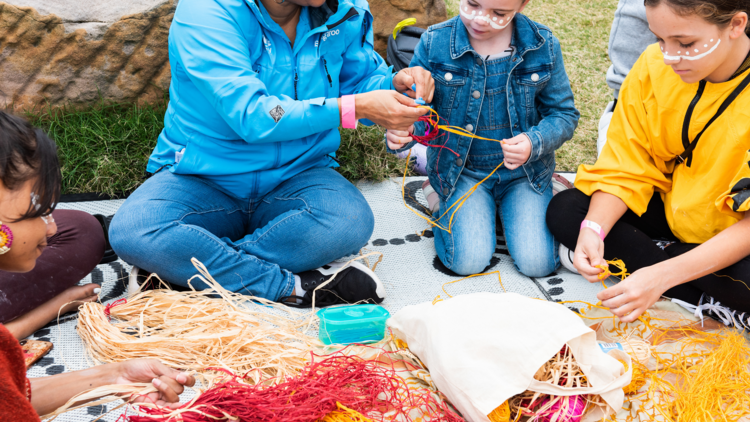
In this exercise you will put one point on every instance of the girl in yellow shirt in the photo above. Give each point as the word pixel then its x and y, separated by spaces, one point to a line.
pixel 676 168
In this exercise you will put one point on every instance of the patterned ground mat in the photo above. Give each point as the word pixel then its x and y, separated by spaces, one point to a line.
pixel 410 270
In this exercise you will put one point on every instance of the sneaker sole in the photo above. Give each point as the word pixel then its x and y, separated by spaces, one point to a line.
pixel 566 259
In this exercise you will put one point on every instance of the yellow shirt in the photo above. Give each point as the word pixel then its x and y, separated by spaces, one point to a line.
pixel 645 137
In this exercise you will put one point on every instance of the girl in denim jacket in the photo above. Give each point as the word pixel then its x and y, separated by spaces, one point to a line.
pixel 499 75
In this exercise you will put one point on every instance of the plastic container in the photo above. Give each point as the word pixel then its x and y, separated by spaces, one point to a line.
pixel 352 324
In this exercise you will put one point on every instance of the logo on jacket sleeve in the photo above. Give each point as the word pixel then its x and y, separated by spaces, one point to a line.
pixel 277 113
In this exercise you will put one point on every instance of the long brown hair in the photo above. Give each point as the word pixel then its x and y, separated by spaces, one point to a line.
pixel 718 12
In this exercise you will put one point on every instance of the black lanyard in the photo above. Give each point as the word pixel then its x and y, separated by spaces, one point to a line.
pixel 687 155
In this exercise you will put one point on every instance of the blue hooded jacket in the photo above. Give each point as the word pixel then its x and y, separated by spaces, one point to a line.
pixel 247 110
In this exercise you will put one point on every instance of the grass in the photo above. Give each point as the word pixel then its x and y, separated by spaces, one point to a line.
pixel 105 148
pixel 582 26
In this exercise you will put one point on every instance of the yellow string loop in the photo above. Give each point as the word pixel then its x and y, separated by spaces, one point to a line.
pixel 617 263
pixel 435 122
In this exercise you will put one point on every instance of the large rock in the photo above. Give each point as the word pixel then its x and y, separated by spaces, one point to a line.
pixel 388 13
pixel 74 52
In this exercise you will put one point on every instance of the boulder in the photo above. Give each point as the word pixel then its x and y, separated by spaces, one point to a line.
pixel 388 13
pixel 76 52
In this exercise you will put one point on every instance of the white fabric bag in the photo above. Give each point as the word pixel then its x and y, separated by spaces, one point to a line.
pixel 484 348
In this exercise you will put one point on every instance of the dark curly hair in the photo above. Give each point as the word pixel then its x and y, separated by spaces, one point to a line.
pixel 718 12
pixel 27 153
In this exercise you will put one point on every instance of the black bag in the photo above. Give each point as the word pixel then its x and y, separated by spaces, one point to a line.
pixel 401 49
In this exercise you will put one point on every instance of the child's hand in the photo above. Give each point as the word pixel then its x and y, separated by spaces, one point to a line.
pixel 516 151
pixel 415 77
pixel 396 139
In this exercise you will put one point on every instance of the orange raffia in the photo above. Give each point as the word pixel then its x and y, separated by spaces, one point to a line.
pixel 432 119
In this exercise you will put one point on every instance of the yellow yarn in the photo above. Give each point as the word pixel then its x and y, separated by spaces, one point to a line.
pixel 344 414
pixel 639 378
pixel 460 201
pixel 501 413
pixel 617 263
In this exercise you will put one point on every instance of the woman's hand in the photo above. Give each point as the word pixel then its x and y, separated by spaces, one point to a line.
pixel 170 382
pixel 388 109
pixel 418 76
pixel 516 151
pixel 396 139
pixel 631 297
pixel 588 254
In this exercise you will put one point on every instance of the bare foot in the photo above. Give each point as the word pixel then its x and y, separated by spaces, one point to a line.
pixel 67 301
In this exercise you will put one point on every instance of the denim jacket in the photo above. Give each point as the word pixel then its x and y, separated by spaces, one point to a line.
pixel 539 99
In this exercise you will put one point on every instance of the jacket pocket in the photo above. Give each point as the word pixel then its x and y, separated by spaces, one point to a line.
pixel 448 83
pixel 530 83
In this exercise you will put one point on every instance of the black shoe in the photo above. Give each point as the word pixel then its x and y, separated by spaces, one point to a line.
pixel 138 277
pixel 109 253
pixel 355 283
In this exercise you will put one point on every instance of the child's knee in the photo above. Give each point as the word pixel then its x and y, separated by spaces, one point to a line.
pixel 469 263
pixel 536 265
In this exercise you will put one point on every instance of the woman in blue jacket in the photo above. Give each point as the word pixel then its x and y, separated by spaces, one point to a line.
pixel 243 177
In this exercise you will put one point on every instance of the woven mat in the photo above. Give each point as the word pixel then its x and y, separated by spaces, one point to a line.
pixel 410 270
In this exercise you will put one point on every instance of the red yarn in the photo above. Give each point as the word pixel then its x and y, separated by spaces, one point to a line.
pixel 366 386
pixel 108 308
pixel 432 121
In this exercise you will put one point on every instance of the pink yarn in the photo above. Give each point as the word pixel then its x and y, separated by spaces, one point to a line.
pixel 567 409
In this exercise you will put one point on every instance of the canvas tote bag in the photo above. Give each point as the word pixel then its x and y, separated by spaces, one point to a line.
pixel 483 348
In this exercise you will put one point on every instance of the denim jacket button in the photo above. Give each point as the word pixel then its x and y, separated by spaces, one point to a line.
pixel 448 76
pixel 476 94
pixel 535 77
pixel 446 191
pixel 459 162
pixel 470 127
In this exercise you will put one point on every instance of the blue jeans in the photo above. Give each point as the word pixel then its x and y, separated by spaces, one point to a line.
pixel 471 243
pixel 250 246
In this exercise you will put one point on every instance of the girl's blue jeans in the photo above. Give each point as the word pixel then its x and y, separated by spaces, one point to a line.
pixel 250 246
pixel 472 241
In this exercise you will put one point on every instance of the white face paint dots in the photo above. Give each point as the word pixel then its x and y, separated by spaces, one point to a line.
pixel 495 22
pixel 697 54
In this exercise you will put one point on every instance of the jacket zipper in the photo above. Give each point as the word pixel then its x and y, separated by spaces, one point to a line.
pixel 330 80
pixel 296 78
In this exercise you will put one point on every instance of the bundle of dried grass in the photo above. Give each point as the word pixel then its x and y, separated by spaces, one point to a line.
pixel 197 331
pixel 102 395
pixel 563 370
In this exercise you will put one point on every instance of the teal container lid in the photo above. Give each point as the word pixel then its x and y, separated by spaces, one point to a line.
pixel 352 324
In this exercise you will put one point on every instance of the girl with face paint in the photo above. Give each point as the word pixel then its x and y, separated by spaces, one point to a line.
pixel 29 190
pixel 500 76
pixel 675 168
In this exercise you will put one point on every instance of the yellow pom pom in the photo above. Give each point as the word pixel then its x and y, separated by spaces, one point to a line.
pixel 501 413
